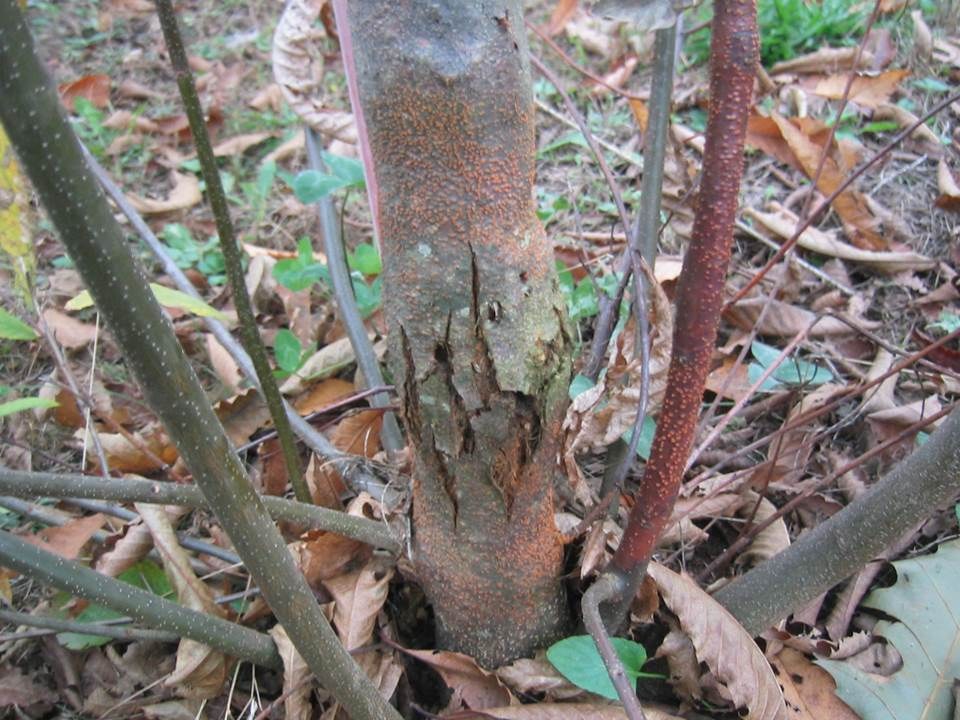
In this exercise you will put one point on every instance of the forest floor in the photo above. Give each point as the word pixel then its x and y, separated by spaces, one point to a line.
pixel 872 282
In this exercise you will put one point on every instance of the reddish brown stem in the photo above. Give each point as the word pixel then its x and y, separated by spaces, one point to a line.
pixel 700 294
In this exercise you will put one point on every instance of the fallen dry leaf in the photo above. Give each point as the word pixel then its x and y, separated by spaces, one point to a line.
pixel 947 51
pixel 880 397
pixel 780 319
pixel 243 415
pixel 922 37
pixel 684 667
pixel 94 88
pixel 472 686
pixel 126 121
pixel 21 696
pixel 138 91
pixel 223 364
pixel 328 360
pixel 824 60
pixel 185 194
pixel 67 540
pixel 562 12
pixel 270 98
pixel 687 509
pixel 134 545
pixel 71 333
pixel 383 669
pixel 323 394
pixel 809 690
pixel 773 539
pixel 359 596
pixel 274 477
pixel 730 379
pixel 594 34
pixel 200 671
pixel 927 138
pixel 783 223
pixel 124 456
pixel 764 134
pixel 949 197
pixel 239 144
pixel 870 91
pixel 298 70
pixel 323 555
pixel 606 411
pixel 560 711
pixel 723 644
pixel 858 221
pixel 297 687
pixel 538 675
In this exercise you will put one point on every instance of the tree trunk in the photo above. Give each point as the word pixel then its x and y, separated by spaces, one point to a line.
pixel 479 345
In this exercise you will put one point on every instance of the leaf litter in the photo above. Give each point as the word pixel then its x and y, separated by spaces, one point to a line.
pixel 901 281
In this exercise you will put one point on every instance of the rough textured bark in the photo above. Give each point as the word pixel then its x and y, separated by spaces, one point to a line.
pixel 479 347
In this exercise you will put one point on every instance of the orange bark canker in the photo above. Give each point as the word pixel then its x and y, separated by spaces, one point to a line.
pixel 479 348
pixel 733 59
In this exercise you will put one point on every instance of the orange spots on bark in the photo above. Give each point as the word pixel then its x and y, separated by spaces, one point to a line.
pixel 733 57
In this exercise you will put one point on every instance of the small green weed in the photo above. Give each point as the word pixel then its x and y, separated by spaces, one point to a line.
pixel 345 173
pixel 89 126
pixel 301 272
pixel 290 353
pixel 792 372
pixel 188 253
pixel 577 659
pixel 581 297
pixel 947 323
pixel 12 328
pixel 146 575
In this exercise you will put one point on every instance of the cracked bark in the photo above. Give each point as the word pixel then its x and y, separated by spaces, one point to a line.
pixel 479 346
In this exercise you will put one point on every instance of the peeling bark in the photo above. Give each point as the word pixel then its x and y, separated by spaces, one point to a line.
pixel 479 346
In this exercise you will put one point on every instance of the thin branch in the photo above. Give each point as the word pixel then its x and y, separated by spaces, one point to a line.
pixel 588 137
pixel 606 145
pixel 824 204
pixel 551 43
pixel 61 362
pixel 747 535
pixel 609 588
pixel 346 302
pixel 185 540
pixel 143 606
pixel 647 229
pixel 131 489
pixel 928 479
pixel 751 391
pixel 805 417
pixel 85 628
pixel 806 265
pixel 45 515
pixel 353 467
pixel 228 245
pixel 50 154
pixel 844 100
